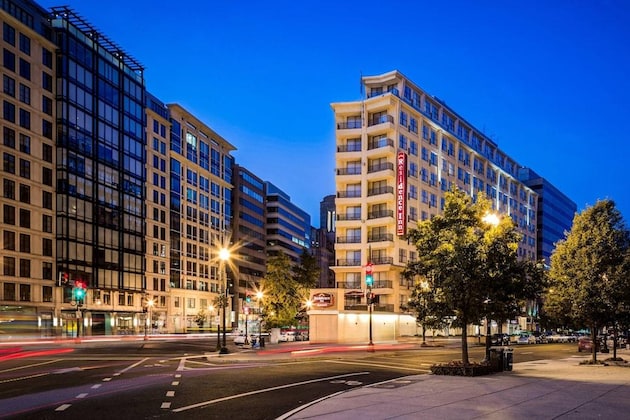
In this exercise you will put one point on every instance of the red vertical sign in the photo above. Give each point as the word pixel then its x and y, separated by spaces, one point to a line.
pixel 401 194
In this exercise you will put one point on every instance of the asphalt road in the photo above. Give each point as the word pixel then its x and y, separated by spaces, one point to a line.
pixel 188 379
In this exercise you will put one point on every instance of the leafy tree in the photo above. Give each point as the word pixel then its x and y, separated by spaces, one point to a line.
pixel 589 270
pixel 472 264
pixel 284 296
pixel 429 306
pixel 306 273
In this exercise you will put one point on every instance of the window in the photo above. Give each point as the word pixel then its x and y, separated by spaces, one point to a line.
pixel 25 119
pixel 47 293
pixel 8 111
pixel 9 60
pixel 8 163
pixel 9 270
pixel 25 44
pixel 47 105
pixel 25 69
pixel 47 153
pixel 9 85
pixel 47 81
pixel 8 33
pixel 47 200
pixel 9 214
pixel 25 144
pixel 25 94
pixel 9 137
pixel 25 271
pixel 47 178
pixel 25 169
pixel 25 218
pixel 47 223
pixel 25 194
pixel 121 299
pixel 47 270
pixel 9 290
pixel 8 238
pixel 9 189
pixel 47 58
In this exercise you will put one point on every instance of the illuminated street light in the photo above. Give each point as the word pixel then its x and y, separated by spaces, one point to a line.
pixel 224 255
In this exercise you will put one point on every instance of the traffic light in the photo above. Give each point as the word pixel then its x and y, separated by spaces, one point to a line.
pixel 248 298
pixel 64 278
pixel 79 291
pixel 369 279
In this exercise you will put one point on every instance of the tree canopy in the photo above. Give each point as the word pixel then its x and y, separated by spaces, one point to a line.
pixel 590 276
pixel 471 263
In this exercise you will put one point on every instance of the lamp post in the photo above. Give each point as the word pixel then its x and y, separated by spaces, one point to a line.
pixel 369 281
pixel 259 296
pixel 224 255
pixel 148 321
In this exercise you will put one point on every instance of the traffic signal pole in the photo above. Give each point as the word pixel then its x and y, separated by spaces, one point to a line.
pixel 369 282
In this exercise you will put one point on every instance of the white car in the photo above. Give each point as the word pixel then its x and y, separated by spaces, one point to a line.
pixel 239 340
pixel 526 339
pixel 287 336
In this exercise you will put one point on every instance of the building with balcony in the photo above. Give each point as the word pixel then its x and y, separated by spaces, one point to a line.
pixel 399 150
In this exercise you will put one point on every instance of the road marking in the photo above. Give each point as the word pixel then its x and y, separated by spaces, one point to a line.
pixel 302 407
pixel 178 375
pixel 28 366
pixel 97 386
pixel 343 362
pixel 82 395
pixel 23 377
pixel 260 391
pixel 134 365
pixel 107 379
pixel 63 407
pixel 175 383
pixel 170 393
pixel 166 405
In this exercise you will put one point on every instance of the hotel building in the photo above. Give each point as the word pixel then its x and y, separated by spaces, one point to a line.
pixel 399 149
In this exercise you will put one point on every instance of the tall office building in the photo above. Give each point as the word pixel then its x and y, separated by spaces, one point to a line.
pixel 555 213
pixel 157 296
pixel 250 239
pixel 28 293
pixel 100 177
pixel 200 203
pixel 324 241
pixel 399 150
pixel 288 226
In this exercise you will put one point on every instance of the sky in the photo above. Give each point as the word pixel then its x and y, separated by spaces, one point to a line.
pixel 548 81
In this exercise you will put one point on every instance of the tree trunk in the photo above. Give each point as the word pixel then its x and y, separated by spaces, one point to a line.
pixel 595 343
pixel 424 335
pixel 465 344
pixel 615 343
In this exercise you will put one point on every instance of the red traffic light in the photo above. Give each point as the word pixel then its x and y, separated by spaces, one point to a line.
pixel 369 268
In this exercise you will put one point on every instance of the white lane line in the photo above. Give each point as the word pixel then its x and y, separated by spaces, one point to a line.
pixel 302 407
pixel 107 379
pixel 175 383
pixel 62 407
pixel 28 366
pixel 260 391
pixel 166 405
pixel 179 375
pixel 134 365
pixel 170 393
pixel 23 377
pixel 378 365
pixel 82 395
pixel 97 386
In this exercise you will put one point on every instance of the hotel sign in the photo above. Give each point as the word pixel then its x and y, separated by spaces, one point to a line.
pixel 323 300
pixel 401 194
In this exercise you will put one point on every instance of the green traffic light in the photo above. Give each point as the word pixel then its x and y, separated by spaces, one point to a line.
pixel 369 280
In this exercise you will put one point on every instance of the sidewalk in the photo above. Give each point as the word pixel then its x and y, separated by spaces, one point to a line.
pixel 543 389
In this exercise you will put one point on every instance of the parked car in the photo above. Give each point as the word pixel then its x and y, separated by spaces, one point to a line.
pixel 557 337
pixel 287 336
pixel 586 344
pixel 526 339
pixel 239 340
pixel 500 340
pixel 541 338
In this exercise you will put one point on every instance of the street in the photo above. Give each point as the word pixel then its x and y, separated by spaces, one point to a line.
pixel 187 378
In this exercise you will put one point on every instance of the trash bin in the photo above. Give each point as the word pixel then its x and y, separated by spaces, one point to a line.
pixel 496 359
pixel 262 342
pixel 508 358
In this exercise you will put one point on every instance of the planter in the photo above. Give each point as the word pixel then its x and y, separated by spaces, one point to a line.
pixel 460 370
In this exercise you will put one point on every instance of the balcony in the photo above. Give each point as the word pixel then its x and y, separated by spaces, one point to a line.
pixel 348 125
pixel 348 239
pixel 349 285
pixel 380 214
pixel 382 284
pixel 379 143
pixel 382 260
pixel 384 166
pixel 380 119
pixel 349 148
pixel 382 237
pixel 349 171
pixel 380 190
pixel 351 194
pixel 348 263
pixel 344 217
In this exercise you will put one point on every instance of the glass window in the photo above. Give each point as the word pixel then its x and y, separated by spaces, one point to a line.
pixel 9 60
pixel 25 218
pixel 8 85
pixel 25 44
pixel 25 194
pixel 25 69
pixel 8 238
pixel 9 270
pixel 8 33
pixel 8 188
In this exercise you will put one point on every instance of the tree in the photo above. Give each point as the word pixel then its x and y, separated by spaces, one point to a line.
pixel 589 270
pixel 306 273
pixel 283 295
pixel 428 305
pixel 472 264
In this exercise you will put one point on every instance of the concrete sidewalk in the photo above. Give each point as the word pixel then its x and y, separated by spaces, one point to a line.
pixel 543 389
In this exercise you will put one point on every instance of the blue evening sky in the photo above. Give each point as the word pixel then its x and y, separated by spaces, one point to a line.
pixel 549 81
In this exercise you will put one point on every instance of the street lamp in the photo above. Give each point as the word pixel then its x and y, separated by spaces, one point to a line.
pixel 147 322
pixel 224 255
pixel 259 296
